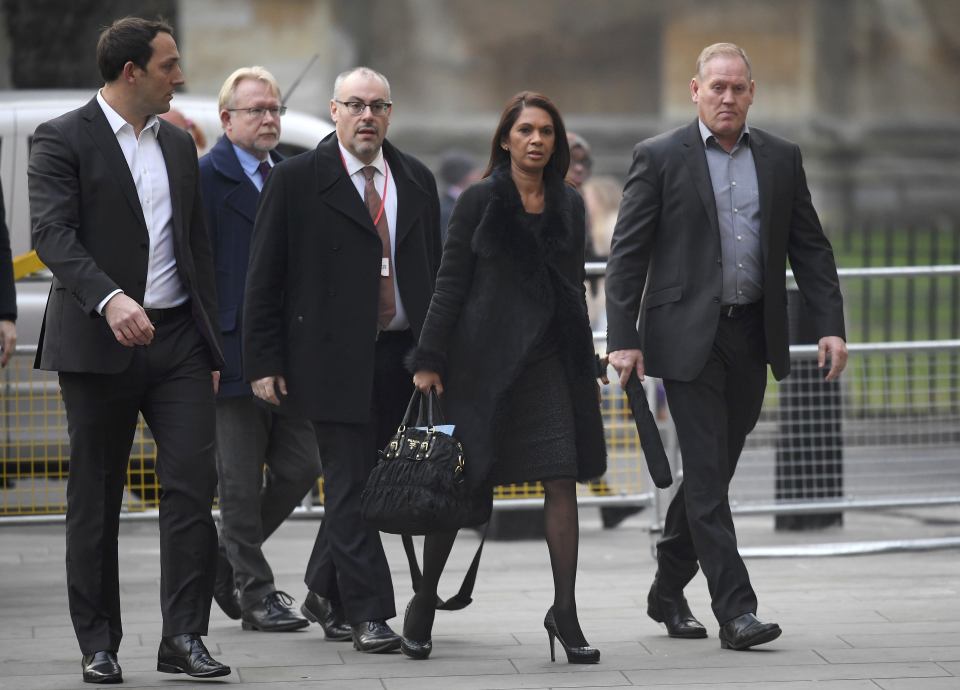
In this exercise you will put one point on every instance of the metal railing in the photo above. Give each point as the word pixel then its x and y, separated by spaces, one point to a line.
pixel 894 440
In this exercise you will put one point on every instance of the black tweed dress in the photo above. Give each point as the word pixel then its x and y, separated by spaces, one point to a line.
pixel 535 426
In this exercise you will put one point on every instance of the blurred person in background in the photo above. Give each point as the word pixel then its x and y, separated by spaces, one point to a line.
pixel 130 326
pixel 458 170
pixel 710 213
pixel 251 436
pixel 328 317
pixel 507 342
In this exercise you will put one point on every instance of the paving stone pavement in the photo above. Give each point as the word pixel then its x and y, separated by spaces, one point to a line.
pixel 887 621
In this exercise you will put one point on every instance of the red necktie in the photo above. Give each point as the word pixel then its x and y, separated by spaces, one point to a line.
pixel 388 304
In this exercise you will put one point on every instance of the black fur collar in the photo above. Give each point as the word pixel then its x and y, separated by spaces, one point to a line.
pixel 502 232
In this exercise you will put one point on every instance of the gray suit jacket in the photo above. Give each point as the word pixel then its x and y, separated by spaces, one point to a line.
pixel 664 265
pixel 89 229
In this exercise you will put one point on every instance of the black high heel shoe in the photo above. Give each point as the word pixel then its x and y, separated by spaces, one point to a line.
pixel 412 648
pixel 575 655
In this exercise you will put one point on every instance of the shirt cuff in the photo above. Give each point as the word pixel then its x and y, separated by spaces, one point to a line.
pixel 106 299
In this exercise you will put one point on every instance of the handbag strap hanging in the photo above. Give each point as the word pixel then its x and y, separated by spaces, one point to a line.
pixel 461 599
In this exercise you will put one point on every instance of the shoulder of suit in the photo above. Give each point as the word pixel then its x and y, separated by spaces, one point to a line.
pixel 181 136
pixel 766 137
pixel 413 164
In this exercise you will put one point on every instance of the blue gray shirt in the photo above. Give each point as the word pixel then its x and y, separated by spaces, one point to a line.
pixel 734 179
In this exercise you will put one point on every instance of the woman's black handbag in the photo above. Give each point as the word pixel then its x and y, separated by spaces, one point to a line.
pixel 418 485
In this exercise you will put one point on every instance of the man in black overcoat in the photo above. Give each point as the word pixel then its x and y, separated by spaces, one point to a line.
pixel 710 213
pixel 345 250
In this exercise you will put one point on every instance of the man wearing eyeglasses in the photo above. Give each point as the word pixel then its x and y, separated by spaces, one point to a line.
pixel 345 251
pixel 250 435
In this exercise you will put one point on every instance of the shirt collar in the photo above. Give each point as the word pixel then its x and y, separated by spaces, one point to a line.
pixel 707 135
pixel 248 161
pixel 354 164
pixel 116 120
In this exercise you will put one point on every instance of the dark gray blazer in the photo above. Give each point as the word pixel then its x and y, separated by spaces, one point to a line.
pixel 89 229
pixel 664 264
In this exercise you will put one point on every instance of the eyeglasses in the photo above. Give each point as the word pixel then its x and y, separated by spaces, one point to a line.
pixel 357 107
pixel 257 113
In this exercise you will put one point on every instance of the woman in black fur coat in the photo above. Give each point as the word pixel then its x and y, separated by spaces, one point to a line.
pixel 508 343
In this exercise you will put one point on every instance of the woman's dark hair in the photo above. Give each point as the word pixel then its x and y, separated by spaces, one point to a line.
pixel 559 161
pixel 127 40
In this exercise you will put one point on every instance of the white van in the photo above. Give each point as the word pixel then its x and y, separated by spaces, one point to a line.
pixel 22 111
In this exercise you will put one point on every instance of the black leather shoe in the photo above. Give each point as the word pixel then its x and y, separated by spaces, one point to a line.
pixel 409 645
pixel 326 613
pixel 673 611
pixel 374 637
pixel 101 667
pixel 747 631
pixel 187 654
pixel 224 588
pixel 274 613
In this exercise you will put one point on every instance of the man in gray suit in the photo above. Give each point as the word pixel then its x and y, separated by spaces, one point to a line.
pixel 130 326
pixel 710 213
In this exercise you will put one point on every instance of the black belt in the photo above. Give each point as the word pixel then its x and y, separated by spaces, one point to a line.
pixel 736 311
pixel 159 315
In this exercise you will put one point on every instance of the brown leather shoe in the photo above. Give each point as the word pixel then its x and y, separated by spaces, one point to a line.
pixel 323 611
pixel 101 667
pixel 673 611
pixel 747 631
pixel 186 653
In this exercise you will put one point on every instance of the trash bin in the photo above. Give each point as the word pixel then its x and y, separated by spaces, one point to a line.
pixel 809 459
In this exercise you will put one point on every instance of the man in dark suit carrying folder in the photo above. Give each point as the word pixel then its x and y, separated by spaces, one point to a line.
pixel 710 213
pixel 130 326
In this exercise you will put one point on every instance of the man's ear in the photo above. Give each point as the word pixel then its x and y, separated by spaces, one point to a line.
pixel 129 71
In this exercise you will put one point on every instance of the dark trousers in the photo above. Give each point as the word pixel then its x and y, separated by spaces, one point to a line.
pixel 170 382
pixel 250 436
pixel 713 415
pixel 348 565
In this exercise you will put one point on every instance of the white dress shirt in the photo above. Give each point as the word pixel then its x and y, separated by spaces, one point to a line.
pixel 164 289
pixel 355 170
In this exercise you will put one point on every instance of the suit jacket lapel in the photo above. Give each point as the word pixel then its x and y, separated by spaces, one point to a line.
pixel 764 186
pixel 106 142
pixel 411 198
pixel 240 198
pixel 336 187
pixel 174 172
pixel 696 162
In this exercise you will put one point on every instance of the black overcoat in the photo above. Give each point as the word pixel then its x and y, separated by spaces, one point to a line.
pixel 310 305
pixel 498 289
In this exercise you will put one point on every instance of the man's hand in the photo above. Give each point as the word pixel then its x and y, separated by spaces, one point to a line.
pixel 8 341
pixel 128 321
pixel 267 387
pixel 627 362
pixel 424 380
pixel 216 381
pixel 837 349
